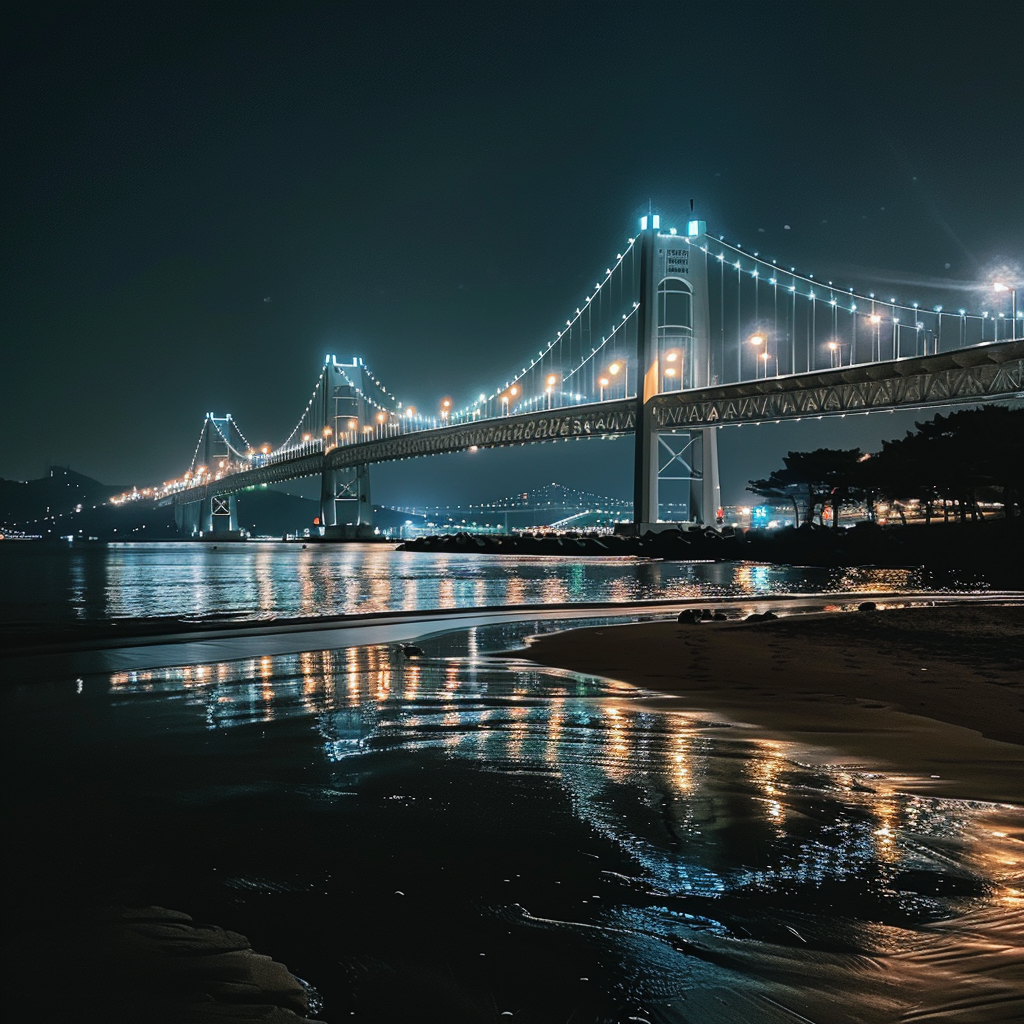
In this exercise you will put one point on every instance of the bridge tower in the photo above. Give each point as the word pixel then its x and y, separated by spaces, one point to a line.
pixel 673 353
pixel 349 405
pixel 216 515
pixel 220 513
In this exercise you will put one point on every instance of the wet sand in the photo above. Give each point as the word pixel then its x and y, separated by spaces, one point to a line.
pixel 936 694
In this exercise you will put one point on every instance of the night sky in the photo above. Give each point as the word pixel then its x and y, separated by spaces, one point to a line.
pixel 200 202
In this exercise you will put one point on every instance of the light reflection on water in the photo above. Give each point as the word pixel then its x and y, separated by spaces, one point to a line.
pixel 668 856
pixel 44 583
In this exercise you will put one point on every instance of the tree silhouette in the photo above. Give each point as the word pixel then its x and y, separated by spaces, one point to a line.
pixel 782 485
pixel 951 462
pixel 826 476
pixel 954 458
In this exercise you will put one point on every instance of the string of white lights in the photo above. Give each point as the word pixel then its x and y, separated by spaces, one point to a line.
pixel 245 440
pixel 305 412
pixel 390 404
pixel 368 398
pixel 626 317
pixel 811 282
pixel 195 454
pixel 620 257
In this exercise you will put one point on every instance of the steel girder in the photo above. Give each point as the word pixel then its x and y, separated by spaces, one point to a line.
pixel 967 375
pixel 600 420
pixel 604 419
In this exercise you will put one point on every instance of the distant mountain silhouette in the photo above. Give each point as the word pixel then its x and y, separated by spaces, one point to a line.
pixel 61 491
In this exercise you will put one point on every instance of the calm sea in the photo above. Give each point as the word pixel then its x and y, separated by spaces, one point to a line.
pixel 461 838
pixel 51 583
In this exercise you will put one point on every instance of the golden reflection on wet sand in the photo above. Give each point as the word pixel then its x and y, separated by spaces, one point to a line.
pixel 608 753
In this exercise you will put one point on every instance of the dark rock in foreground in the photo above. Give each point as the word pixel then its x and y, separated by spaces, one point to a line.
pixel 155 966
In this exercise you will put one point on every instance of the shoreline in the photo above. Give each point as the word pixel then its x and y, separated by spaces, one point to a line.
pixel 934 694
pixel 51 652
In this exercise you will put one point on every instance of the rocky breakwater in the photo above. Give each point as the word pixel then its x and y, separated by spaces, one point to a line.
pixel 994 549
pixel 690 544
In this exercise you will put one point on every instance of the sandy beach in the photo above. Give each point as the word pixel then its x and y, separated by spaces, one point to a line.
pixel 933 694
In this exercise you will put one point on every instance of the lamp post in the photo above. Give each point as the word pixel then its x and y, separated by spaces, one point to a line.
pixel 552 380
pixel 876 344
pixel 508 398
pixel 756 340
pixel 1000 287
pixel 603 383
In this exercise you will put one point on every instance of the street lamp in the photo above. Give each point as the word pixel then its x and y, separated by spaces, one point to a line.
pixel 757 339
pixel 552 380
pixel 1000 287
pixel 352 425
pixel 446 404
pixel 603 383
pixel 835 352
pixel 381 420
pixel 507 398
pixel 876 352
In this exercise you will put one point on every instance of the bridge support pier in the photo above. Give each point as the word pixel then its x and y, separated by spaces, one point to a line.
pixel 687 461
pixel 345 508
pixel 220 515
pixel 209 517
pixel 187 517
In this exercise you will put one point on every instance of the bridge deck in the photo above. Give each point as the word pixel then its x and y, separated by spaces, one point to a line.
pixel 990 371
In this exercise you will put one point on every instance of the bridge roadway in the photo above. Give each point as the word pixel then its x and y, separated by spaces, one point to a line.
pixel 990 371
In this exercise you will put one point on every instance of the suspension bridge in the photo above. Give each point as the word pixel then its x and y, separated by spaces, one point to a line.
pixel 682 333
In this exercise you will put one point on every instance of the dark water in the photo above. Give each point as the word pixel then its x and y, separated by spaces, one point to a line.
pixel 50 583
pixel 462 839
